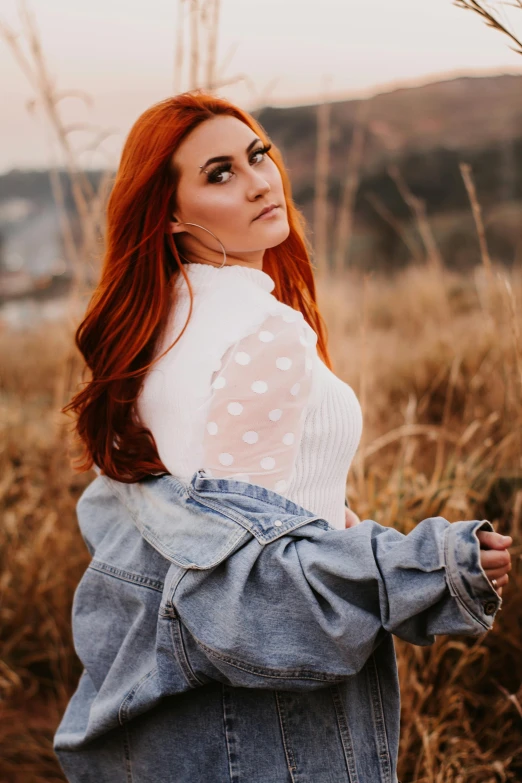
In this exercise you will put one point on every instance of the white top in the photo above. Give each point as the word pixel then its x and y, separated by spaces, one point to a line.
pixel 244 394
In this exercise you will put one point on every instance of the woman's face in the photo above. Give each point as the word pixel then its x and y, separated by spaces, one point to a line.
pixel 227 196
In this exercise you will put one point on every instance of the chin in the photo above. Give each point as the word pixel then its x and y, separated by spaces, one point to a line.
pixel 278 234
pixel 274 235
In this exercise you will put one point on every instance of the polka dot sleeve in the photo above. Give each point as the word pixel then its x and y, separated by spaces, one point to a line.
pixel 258 402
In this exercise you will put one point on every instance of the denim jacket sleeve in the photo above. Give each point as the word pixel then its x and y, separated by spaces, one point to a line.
pixel 311 606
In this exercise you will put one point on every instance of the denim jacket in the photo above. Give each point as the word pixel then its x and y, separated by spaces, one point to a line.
pixel 229 635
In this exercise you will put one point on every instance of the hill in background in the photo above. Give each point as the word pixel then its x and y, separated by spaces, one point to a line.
pixel 426 131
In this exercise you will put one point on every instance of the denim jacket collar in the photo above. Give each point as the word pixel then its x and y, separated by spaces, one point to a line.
pixel 168 516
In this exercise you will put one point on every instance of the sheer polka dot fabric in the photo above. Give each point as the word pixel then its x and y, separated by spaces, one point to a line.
pixel 257 408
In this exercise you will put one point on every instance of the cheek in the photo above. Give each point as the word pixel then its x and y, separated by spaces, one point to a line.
pixel 200 204
pixel 219 206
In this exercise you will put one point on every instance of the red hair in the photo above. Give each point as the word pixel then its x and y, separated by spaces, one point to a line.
pixel 128 309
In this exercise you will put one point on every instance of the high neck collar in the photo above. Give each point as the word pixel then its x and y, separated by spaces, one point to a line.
pixel 206 274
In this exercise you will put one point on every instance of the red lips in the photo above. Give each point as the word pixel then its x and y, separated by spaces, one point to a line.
pixel 266 209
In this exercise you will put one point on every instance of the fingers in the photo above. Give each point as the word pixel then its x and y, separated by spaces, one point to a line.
pixel 495 559
pixel 496 573
pixel 493 540
pixel 501 580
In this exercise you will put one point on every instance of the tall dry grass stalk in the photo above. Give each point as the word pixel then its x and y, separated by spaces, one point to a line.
pixel 486 13
pixel 322 169
pixel 363 386
pixel 179 47
pixel 202 53
pixel 194 13
pixel 211 18
pixel 418 209
pixel 515 329
pixel 349 191
pixel 466 171
pixel 434 264
pixel 82 247
pixel 416 251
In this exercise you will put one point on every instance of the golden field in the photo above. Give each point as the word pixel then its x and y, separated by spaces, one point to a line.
pixel 436 360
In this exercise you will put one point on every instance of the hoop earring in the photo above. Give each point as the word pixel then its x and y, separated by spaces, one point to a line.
pixel 182 222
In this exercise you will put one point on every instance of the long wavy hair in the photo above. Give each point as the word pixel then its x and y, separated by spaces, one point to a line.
pixel 128 309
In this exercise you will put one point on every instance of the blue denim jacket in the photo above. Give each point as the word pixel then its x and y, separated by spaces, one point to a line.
pixel 229 635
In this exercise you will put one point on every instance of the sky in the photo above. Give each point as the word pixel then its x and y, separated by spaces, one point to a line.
pixel 121 53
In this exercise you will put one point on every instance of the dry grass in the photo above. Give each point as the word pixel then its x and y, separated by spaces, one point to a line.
pixel 441 388
pixel 491 15
pixel 41 558
pixel 438 357
pixel 436 360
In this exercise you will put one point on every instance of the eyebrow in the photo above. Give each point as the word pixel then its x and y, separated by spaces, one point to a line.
pixel 221 158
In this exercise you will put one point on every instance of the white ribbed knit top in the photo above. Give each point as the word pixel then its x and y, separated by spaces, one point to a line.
pixel 244 394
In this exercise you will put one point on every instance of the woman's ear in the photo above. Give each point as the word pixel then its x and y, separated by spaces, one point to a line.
pixel 174 226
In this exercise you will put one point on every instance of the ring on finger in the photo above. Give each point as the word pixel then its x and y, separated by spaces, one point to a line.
pixel 494 583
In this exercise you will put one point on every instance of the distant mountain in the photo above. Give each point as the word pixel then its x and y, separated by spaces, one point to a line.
pixel 426 131
pixel 465 113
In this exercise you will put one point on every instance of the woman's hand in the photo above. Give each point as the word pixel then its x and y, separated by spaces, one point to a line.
pixel 494 556
pixel 351 518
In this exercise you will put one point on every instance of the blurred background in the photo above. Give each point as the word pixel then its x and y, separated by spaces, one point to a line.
pixel 400 124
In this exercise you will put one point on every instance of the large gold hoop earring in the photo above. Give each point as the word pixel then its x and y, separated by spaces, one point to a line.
pixel 182 222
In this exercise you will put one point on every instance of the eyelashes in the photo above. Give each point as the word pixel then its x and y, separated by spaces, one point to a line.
pixel 213 175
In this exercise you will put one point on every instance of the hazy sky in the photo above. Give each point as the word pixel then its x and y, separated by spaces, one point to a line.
pixel 122 53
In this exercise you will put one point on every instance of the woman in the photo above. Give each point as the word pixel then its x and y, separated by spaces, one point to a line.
pixel 230 627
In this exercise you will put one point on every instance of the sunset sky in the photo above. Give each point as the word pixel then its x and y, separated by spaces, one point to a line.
pixel 122 54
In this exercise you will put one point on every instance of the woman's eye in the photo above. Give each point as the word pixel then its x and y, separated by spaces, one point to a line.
pixel 259 152
pixel 212 177
pixel 220 174
pixel 262 151
pixel 226 168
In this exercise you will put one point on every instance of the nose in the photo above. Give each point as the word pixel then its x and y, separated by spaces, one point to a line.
pixel 258 185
